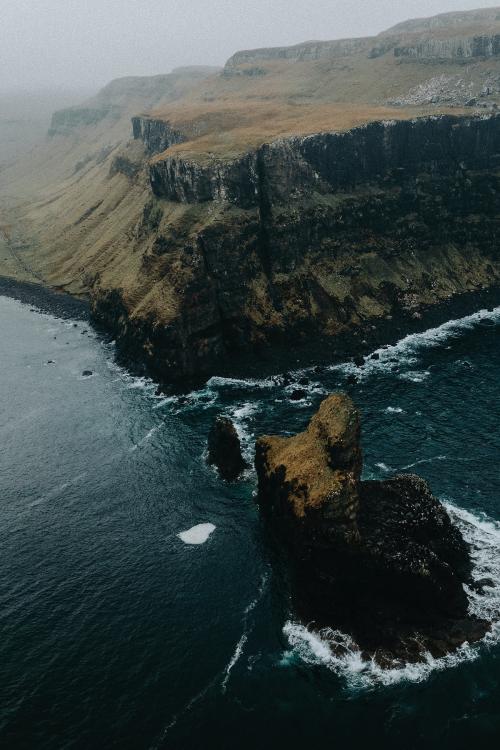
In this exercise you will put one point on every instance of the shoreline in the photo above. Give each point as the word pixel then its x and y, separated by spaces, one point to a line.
pixel 45 298
pixel 277 358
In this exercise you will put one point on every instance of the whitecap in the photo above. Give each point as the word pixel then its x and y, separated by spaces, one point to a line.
pixel 338 652
pixel 197 534
pixel 394 410
pixel 406 351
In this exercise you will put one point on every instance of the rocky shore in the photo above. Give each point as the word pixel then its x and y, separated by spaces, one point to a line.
pixel 379 560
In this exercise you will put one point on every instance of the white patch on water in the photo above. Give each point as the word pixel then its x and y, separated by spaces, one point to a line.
pixel 339 653
pixel 394 410
pixel 383 467
pixel 197 534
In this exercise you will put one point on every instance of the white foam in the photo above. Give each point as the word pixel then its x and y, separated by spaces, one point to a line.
pixel 197 534
pixel 246 631
pixel 220 382
pixel 394 410
pixel 147 437
pixel 240 416
pixel 338 652
pixel 405 352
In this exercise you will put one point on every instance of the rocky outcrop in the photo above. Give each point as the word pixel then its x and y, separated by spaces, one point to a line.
pixel 306 51
pixel 157 135
pixel 455 48
pixel 379 560
pixel 224 449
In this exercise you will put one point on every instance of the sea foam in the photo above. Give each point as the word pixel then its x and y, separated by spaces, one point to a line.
pixel 197 534
pixel 339 653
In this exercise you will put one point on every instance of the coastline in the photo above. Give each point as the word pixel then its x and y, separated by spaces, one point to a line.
pixel 45 298
pixel 279 357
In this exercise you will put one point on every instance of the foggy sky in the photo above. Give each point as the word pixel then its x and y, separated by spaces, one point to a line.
pixel 86 43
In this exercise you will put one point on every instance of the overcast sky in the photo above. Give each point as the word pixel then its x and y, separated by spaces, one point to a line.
pixel 86 43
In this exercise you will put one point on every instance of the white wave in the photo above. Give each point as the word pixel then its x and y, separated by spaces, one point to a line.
pixel 147 437
pixel 240 416
pixel 383 467
pixel 415 376
pixel 234 659
pixel 197 534
pixel 246 632
pixel 338 652
pixel 406 351
pixel 423 461
pixel 394 410
pixel 220 382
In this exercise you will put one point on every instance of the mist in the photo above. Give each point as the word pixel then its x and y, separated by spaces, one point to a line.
pixel 70 44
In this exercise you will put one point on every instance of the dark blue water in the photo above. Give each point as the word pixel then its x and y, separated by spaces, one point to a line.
pixel 114 633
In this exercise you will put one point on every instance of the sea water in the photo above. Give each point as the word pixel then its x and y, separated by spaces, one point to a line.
pixel 142 604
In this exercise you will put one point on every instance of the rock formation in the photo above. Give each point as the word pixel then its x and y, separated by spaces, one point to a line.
pixel 380 560
pixel 308 237
pixel 224 449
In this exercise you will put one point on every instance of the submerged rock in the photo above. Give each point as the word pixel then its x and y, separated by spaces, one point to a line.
pixel 224 449
pixel 380 560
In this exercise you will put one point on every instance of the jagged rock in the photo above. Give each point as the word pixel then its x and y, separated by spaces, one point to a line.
pixel 313 476
pixel 224 449
pixel 87 373
pixel 380 560
pixel 298 394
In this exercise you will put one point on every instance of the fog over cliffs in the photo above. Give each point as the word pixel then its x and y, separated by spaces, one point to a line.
pixel 54 43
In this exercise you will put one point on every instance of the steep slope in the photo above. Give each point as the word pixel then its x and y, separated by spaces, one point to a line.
pixel 300 191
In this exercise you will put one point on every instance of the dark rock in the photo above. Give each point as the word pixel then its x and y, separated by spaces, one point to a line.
pixel 375 355
pixel 298 394
pixel 380 560
pixel 87 373
pixel 358 361
pixel 303 381
pixel 50 362
pixel 224 449
pixel 351 380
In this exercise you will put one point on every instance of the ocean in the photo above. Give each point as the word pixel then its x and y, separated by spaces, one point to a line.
pixel 117 632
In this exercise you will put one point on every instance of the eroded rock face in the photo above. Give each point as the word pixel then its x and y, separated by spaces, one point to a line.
pixel 312 478
pixel 380 560
pixel 224 449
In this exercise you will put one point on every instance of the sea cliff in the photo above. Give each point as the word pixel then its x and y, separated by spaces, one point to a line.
pixel 312 236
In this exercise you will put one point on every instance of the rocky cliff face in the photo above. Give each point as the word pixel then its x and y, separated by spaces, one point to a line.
pixel 380 560
pixel 457 48
pixel 380 155
pixel 308 237
pixel 157 135
pixel 307 51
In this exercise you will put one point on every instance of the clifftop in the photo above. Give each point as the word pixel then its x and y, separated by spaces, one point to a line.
pixel 482 18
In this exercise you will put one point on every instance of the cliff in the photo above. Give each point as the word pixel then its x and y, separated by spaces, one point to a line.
pixel 384 548
pixel 314 236
pixel 299 194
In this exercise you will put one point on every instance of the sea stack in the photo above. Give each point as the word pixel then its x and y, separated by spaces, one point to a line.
pixel 379 560
pixel 224 449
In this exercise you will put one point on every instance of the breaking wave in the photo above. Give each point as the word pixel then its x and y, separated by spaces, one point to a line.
pixel 339 653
